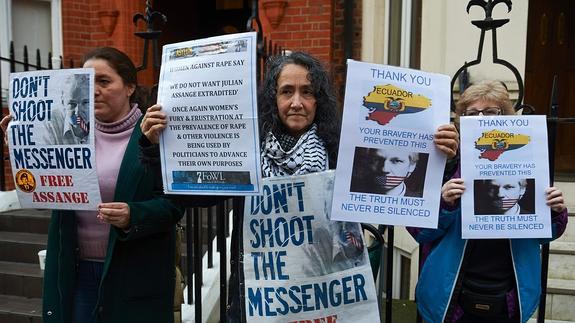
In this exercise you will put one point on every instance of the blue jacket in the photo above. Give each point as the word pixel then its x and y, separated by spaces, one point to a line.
pixel 440 271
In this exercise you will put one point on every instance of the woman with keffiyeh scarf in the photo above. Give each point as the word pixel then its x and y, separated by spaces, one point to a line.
pixel 299 130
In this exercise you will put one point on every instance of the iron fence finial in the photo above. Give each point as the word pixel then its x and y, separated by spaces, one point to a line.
pixel 485 25
pixel 150 17
pixel 488 6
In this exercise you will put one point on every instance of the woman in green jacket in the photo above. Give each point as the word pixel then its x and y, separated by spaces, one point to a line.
pixel 114 264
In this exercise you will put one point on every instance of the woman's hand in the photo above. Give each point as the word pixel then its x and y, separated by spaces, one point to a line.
pixel 115 213
pixel 452 190
pixel 446 139
pixel 555 199
pixel 154 123
pixel 4 127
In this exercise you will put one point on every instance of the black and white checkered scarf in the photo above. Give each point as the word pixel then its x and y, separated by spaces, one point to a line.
pixel 308 155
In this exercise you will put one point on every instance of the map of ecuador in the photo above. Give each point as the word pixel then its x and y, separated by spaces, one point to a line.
pixel 493 143
pixel 385 102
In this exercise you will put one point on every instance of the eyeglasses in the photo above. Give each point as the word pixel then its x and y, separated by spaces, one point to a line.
pixel 491 111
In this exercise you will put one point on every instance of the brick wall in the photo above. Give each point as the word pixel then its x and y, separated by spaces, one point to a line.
pixel 339 59
pixel 307 25
pixel 83 29
pixel 316 27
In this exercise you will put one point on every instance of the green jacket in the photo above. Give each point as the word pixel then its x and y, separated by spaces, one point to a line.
pixel 139 273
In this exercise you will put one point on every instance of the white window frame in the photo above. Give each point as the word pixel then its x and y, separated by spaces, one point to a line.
pixel 375 31
pixel 6 37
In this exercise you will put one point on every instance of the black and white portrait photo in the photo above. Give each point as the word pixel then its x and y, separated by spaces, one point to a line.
pixel 504 195
pixel 70 122
pixel 388 171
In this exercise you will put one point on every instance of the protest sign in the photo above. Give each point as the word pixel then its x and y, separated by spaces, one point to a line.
pixel 389 170
pixel 208 90
pixel 51 139
pixel 298 265
pixel 505 166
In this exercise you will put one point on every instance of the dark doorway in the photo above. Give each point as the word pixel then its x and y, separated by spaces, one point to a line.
pixel 195 19
pixel 551 51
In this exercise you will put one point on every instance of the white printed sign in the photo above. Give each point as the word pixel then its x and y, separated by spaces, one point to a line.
pixel 208 90
pixel 389 170
pixel 505 167
pixel 51 139
pixel 298 265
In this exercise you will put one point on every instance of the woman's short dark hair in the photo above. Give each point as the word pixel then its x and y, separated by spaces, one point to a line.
pixel 124 66
pixel 327 117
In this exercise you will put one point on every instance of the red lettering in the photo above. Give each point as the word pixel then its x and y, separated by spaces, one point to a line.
pixel 56 180
pixel 58 197
pixel 36 197
pixel 83 198
pixel 327 319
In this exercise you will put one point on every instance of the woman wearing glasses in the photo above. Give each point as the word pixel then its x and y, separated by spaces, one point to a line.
pixel 489 280
pixel 488 98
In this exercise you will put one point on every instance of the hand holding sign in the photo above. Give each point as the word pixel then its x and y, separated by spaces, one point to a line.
pixel 452 190
pixel 446 139
pixel 555 199
pixel 115 213
pixel 154 123
pixel 4 127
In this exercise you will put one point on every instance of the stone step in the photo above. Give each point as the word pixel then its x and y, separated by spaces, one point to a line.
pixel 561 287
pixel 14 309
pixel 562 247
pixel 32 221
pixel 21 246
pixel 560 300
pixel 562 260
pixel 534 320
pixel 21 279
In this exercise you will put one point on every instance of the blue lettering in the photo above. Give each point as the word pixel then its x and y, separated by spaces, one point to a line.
pixel 280 198
pixel 285 307
pixel 255 204
pixel 359 290
pixel 269 300
pixel 282 223
pixel 255 298
pixel 334 297
pixel 253 224
pixel 293 296
pixel 53 158
pixel 266 231
pixel 281 264
pixel 266 209
pixel 299 186
pixel 279 232
pixel 320 292
pixel 306 297
pixel 297 240
pixel 255 256
pixel 346 290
